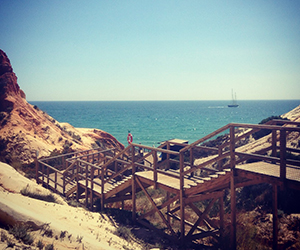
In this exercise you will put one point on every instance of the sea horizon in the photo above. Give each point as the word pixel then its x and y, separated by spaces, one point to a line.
pixel 152 122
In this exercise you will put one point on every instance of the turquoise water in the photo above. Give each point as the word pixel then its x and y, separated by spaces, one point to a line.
pixel 151 122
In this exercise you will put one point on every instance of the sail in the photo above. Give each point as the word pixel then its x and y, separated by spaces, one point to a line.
pixel 234 103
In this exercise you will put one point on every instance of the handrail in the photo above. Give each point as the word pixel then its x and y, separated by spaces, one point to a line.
pixel 134 159
pixel 85 155
pixel 73 153
pixel 48 166
pixel 203 164
pixel 156 149
pixel 218 131
pixel 262 126
pixel 115 157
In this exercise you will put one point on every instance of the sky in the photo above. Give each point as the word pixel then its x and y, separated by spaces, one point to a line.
pixel 153 50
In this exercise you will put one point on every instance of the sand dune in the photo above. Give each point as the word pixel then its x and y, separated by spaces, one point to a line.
pixel 95 230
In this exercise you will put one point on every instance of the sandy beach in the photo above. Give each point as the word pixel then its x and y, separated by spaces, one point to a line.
pixel 84 229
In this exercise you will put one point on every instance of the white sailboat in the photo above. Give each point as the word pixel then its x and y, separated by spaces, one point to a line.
pixel 234 103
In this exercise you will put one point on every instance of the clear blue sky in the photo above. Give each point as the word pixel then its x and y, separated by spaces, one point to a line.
pixel 153 50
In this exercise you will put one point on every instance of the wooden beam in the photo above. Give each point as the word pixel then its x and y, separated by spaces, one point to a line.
pixel 257 177
pixel 190 224
pixel 201 215
pixel 181 198
pixel 274 143
pixel 275 218
pixel 160 232
pixel 155 207
pixel 204 234
pixel 156 149
pixel 201 197
pixel 222 228
pixel 282 155
pixel 92 188
pixel 233 213
pixel 118 198
pixel 154 169
pixel 133 187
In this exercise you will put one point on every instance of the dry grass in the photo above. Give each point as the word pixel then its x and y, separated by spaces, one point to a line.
pixel 35 195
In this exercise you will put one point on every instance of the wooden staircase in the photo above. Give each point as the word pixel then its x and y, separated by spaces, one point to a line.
pixel 114 176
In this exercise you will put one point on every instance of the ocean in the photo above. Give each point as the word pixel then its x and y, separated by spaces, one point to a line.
pixel 151 122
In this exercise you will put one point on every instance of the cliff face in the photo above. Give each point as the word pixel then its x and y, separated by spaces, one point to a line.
pixel 8 84
pixel 25 128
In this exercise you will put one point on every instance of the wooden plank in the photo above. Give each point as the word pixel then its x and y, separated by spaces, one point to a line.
pixel 208 162
pixel 271 170
pixel 210 186
pixel 159 185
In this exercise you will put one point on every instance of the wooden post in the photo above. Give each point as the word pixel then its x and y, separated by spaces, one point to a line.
pixel 48 178
pixel 77 180
pixel 221 205
pixel 191 160
pixel 275 217
pixel 274 143
pixel 220 151
pixel 102 189
pixel 168 156
pixel 181 197
pixel 233 212
pixel 133 188
pixel 36 166
pixel 232 148
pixel 116 166
pixel 154 153
pixel 92 187
pixel 64 184
pixel 232 190
pixel 168 207
pixel 55 181
pixel 282 155
pixel 86 186
pixel 63 163
pixel 43 173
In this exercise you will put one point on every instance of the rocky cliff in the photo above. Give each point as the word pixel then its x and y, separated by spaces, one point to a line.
pixel 25 128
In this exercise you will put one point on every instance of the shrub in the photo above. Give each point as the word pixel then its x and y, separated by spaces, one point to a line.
pixel 263 132
pixel 79 239
pixel 40 245
pixel 124 233
pixel 3 236
pixel 20 232
pixel 44 197
pixel 49 247
pixel 10 244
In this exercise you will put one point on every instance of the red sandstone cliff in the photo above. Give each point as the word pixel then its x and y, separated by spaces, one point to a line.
pixel 24 129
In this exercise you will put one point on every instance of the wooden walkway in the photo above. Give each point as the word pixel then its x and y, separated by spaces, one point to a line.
pixel 116 176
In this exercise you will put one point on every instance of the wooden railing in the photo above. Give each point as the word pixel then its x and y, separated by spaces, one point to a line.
pixel 49 170
pixel 111 164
